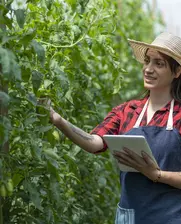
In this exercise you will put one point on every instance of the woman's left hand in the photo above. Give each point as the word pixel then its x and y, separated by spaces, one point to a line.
pixel 144 164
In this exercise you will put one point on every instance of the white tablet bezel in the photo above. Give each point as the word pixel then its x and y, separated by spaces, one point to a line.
pixel 136 143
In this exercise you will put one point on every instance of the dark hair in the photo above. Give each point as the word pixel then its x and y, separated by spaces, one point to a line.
pixel 176 83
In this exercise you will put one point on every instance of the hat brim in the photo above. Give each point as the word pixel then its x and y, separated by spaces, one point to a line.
pixel 140 48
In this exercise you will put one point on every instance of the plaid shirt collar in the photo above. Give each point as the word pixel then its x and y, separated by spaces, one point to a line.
pixel 138 106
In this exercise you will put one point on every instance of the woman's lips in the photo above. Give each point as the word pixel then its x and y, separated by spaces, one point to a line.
pixel 149 77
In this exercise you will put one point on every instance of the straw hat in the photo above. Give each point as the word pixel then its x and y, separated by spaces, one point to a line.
pixel 166 43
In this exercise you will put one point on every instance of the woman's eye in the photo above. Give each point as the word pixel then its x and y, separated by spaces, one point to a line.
pixel 160 64
pixel 146 60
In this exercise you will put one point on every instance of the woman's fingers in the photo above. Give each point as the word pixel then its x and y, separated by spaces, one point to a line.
pixel 148 159
pixel 126 159
pixel 134 156
pixel 122 161
pixel 129 157
pixel 143 164
pixel 46 102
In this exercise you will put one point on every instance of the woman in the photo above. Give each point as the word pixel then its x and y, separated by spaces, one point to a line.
pixel 152 195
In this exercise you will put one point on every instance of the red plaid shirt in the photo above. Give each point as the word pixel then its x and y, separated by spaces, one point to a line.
pixel 123 117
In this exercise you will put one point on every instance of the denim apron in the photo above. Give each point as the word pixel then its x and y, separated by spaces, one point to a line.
pixel 142 200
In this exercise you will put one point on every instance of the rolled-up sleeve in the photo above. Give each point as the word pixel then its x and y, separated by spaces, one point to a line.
pixel 110 125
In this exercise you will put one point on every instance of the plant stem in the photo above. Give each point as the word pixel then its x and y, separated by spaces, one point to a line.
pixel 1 211
pixel 63 46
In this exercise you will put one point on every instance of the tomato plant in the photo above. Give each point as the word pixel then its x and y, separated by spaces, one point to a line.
pixel 74 52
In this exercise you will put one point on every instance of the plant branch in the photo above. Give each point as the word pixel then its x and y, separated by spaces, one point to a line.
pixel 75 43
pixel 63 46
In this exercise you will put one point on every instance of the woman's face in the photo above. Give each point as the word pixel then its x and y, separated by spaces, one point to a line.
pixel 156 71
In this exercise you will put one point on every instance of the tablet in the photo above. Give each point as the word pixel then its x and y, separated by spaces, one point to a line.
pixel 136 143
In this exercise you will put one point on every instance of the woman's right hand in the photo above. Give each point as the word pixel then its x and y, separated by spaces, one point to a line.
pixel 54 116
pixel 88 142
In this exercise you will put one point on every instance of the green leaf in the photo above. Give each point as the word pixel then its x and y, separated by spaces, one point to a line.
pixel 71 163
pixel 71 2
pixel 39 50
pixel 6 122
pixel 102 181
pixel 17 178
pixel 20 17
pixel 6 21
pixel 47 83
pixel 31 98
pixel 49 153
pixel 36 151
pixel 44 128
pixel 7 39
pixel 37 78
pixel 50 138
pixel 4 99
pixel 10 68
pixel 27 37
pixel 48 3
pixel 52 167
pixel 55 190
pixel 124 71
pixel 4 9
pixel 34 194
pixel 68 96
pixel 117 86
pixel 30 120
pixel 26 73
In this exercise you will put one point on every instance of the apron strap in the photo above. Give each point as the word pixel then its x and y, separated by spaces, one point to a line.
pixel 138 122
pixel 170 117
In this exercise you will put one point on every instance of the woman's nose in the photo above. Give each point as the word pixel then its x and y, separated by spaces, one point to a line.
pixel 149 68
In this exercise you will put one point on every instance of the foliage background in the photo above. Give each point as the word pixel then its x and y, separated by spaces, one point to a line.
pixel 76 53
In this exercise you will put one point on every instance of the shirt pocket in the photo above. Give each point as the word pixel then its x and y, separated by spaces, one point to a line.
pixel 125 216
